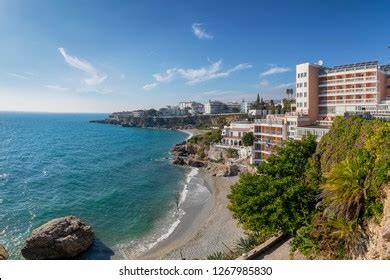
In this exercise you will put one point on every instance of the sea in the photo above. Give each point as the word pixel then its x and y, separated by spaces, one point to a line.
pixel 119 180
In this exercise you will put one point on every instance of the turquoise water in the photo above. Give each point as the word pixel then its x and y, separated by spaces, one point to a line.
pixel 119 180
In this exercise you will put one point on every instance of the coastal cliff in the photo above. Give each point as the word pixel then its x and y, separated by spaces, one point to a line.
pixel 176 122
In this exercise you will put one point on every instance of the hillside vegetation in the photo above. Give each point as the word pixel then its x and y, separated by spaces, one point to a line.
pixel 324 195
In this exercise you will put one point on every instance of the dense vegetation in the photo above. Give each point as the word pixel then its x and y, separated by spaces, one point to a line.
pixel 247 139
pixel 276 199
pixel 323 195
pixel 201 143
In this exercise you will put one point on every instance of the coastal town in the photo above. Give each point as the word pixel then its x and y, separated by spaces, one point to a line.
pixel 274 154
pixel 155 136
pixel 321 94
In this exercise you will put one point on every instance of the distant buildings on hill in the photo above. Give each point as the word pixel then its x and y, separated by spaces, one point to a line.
pixel 212 107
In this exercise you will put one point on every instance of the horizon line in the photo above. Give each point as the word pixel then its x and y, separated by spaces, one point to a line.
pixel 51 112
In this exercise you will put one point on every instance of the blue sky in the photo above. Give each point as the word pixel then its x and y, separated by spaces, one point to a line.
pixel 103 56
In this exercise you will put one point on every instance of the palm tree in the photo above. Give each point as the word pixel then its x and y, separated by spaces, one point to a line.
pixel 344 191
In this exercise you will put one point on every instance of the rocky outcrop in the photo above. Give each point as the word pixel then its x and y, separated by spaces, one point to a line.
pixel 62 238
pixel 223 170
pixel 196 163
pixel 179 161
pixel 3 253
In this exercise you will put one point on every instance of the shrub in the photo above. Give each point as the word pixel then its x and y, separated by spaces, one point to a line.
pixel 232 153
pixel 247 139
pixel 277 199
pixel 219 256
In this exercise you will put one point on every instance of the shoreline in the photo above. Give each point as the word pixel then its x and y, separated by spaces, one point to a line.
pixel 203 230
pixel 205 227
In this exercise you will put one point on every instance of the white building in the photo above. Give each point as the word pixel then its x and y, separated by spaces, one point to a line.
pixel 232 134
pixel 246 106
pixel 172 111
pixel 138 113
pixel 214 107
pixel 192 107
pixel 233 107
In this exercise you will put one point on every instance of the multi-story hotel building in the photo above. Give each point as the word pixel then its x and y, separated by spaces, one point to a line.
pixel 322 93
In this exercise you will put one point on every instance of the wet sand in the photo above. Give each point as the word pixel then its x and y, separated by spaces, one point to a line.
pixel 204 229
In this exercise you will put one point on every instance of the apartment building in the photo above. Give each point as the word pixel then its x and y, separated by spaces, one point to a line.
pixel 322 93
pixel 232 134
pixel 214 107
pixel 192 107
pixel 274 129
pixel 233 107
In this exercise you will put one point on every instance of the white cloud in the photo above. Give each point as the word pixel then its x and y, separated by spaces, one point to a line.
pixel 200 32
pixel 150 86
pixel 275 70
pixel 214 71
pixel 264 83
pixel 284 85
pixel 196 76
pixel 56 88
pixel 94 77
pixel 165 77
pixel 19 76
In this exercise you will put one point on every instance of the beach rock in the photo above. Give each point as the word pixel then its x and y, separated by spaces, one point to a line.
pixel 232 170
pixel 62 238
pixel 196 163
pixel 3 253
pixel 179 161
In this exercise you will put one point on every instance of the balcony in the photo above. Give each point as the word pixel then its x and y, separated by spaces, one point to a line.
pixel 347 101
pixel 348 81
pixel 348 91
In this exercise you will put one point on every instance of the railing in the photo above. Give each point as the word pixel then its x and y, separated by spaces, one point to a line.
pixel 268 121
pixel 348 80
pixel 352 90
pixel 374 67
pixel 317 131
pixel 352 101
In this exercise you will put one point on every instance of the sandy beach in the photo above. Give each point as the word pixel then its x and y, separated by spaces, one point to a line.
pixel 204 229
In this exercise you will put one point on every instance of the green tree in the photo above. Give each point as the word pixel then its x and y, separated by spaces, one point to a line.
pixel 278 109
pixel 262 104
pixel 271 106
pixel 247 139
pixel 257 104
pixel 286 105
pixel 277 199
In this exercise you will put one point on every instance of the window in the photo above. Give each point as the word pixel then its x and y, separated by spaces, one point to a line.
pixel 305 94
pixel 305 84
pixel 305 104
pixel 299 75
pixel 304 74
